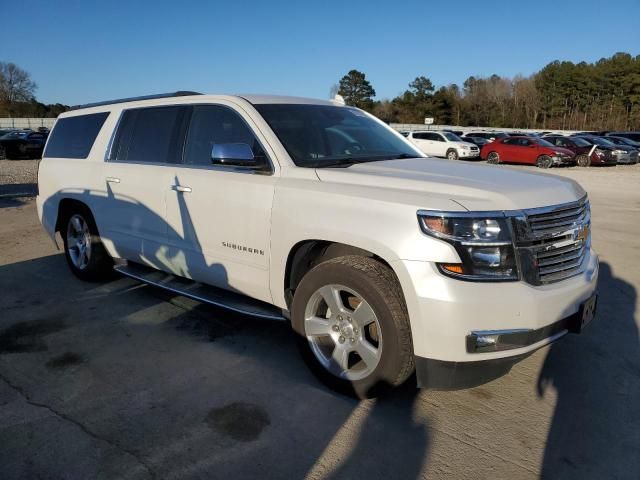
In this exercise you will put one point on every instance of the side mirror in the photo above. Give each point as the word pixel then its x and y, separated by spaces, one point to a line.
pixel 233 154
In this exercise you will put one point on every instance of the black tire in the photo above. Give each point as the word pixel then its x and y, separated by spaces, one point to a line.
pixel 544 161
pixel 583 160
pixel 493 158
pixel 452 154
pixel 379 287
pixel 99 266
pixel 3 153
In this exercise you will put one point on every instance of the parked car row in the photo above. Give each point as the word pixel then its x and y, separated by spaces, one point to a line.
pixel 443 144
pixel 22 143
pixel 543 149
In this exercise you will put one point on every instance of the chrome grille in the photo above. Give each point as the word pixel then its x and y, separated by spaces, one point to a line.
pixel 552 242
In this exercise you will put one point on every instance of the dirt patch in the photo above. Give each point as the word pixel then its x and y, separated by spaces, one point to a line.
pixel 67 359
pixel 240 421
pixel 28 336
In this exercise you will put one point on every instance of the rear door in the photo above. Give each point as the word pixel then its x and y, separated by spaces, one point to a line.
pixel 137 175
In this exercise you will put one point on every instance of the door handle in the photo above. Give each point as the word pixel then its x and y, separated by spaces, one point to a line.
pixel 181 188
pixel 112 180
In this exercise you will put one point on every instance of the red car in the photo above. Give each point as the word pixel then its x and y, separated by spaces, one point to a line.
pixel 528 151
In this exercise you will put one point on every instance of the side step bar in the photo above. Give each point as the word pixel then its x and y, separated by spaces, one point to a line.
pixel 198 291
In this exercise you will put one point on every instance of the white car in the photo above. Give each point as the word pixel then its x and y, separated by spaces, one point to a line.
pixel 443 144
pixel 320 214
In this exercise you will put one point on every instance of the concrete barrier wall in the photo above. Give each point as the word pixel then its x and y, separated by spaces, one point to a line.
pixel 32 123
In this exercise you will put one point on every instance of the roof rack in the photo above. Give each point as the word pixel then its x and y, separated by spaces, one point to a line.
pixel 181 93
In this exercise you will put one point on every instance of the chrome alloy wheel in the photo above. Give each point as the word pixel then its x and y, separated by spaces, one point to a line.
pixel 343 332
pixel 79 241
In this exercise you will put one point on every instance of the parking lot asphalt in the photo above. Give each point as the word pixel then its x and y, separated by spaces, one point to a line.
pixel 118 380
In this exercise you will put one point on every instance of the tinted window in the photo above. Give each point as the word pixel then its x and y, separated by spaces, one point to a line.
pixel 150 135
pixel 212 124
pixel 510 141
pixel 73 137
pixel 323 135
pixel 422 136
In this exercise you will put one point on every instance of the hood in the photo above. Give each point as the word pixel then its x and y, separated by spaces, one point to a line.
pixel 476 187
pixel 566 151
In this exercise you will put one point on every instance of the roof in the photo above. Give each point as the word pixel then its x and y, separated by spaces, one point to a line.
pixel 262 99
pixel 253 99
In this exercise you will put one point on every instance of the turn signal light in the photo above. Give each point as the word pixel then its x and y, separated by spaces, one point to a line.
pixel 453 268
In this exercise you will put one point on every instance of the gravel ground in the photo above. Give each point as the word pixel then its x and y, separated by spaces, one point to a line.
pixel 19 172
pixel 117 380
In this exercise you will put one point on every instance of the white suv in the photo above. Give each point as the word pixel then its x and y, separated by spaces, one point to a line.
pixel 318 213
pixel 443 144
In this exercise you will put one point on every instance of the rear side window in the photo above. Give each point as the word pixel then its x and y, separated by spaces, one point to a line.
pixel 73 137
pixel 150 135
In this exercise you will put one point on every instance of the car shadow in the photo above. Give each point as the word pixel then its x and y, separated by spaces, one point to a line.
pixel 248 391
pixel 593 432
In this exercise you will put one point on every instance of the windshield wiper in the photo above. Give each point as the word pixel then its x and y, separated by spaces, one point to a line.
pixel 347 162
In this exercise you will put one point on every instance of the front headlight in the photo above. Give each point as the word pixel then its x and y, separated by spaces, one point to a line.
pixel 618 152
pixel 464 147
pixel 484 245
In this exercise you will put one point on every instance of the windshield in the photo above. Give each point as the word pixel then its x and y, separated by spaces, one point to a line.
pixel 324 136
pixel 580 142
pixel 601 141
pixel 543 142
pixel 452 137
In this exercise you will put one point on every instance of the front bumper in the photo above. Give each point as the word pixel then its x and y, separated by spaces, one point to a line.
pixel 444 311
pixel 468 153
pixel 626 158
pixel 563 160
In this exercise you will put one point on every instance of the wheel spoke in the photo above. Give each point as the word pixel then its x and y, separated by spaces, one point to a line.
pixel 340 355
pixel 77 225
pixel 331 296
pixel 368 353
pixel 363 315
pixel 316 326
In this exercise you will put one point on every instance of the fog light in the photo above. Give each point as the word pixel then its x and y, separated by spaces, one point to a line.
pixel 486 256
pixel 486 340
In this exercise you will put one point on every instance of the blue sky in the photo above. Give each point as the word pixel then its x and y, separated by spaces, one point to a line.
pixel 87 51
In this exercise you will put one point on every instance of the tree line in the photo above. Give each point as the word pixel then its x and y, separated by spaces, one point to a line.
pixel 604 95
pixel 17 95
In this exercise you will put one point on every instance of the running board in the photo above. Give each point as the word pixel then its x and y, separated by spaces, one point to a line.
pixel 219 297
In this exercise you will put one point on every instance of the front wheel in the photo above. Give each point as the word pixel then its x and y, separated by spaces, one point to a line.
pixel 3 153
pixel 452 155
pixel 352 325
pixel 493 158
pixel 544 161
pixel 85 254
pixel 583 161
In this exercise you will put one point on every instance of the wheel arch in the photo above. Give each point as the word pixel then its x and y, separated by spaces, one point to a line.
pixel 65 206
pixel 306 254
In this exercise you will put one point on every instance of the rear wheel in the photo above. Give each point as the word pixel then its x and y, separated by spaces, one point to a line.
pixel 353 327
pixel 85 254
pixel 452 154
pixel 493 158
pixel 3 153
pixel 583 161
pixel 544 161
